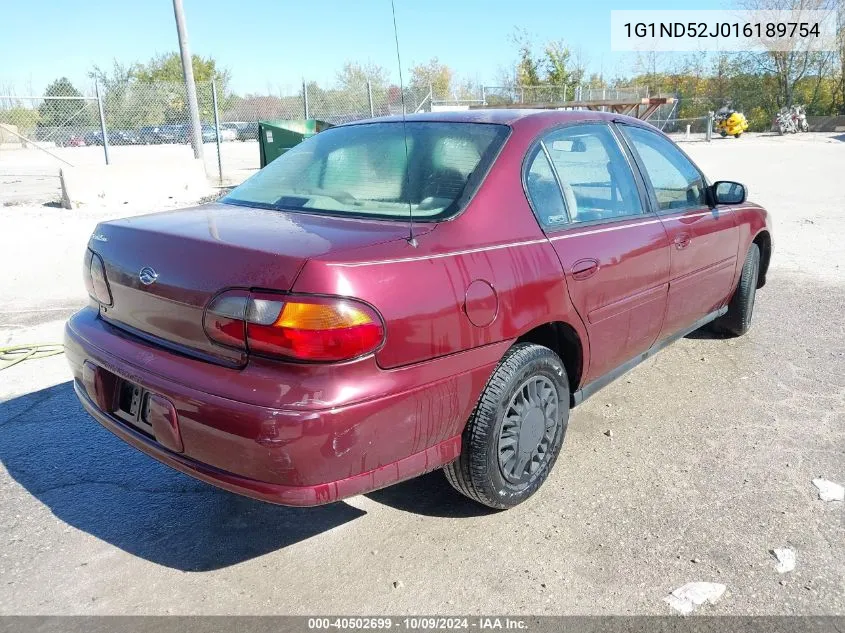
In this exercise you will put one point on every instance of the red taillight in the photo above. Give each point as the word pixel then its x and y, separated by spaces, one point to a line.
pixel 293 326
pixel 94 272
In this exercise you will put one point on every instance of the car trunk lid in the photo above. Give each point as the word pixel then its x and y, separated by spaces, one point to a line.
pixel 164 268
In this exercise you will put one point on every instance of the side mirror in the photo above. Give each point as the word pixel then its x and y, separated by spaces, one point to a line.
pixel 728 192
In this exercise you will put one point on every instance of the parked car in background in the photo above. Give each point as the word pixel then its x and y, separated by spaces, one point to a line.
pixel 228 132
pixel 299 341
pixel 123 137
pixel 181 133
pixel 94 138
pixel 73 140
pixel 208 133
pixel 249 132
pixel 151 135
pixel 173 133
pixel 245 130
pixel 116 137
pixel 61 137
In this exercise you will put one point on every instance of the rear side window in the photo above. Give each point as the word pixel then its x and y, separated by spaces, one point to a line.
pixel 378 170
pixel 543 190
pixel 677 184
pixel 596 182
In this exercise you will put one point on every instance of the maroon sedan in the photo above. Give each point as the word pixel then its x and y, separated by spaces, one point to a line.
pixel 389 298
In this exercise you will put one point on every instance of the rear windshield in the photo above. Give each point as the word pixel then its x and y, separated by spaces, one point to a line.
pixel 378 170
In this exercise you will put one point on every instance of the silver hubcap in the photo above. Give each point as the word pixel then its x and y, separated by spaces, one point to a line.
pixel 529 427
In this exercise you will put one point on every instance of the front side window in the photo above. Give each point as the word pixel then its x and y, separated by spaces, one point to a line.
pixel 595 178
pixel 677 184
pixel 378 170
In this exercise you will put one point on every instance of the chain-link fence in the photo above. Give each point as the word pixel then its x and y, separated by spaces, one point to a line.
pixel 150 123
pixel 33 136
pixel 135 122
pixel 118 124
pixel 57 122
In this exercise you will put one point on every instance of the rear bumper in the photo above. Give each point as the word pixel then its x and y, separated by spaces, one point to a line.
pixel 290 455
pixel 411 466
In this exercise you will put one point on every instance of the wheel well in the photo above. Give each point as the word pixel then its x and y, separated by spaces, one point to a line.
pixel 563 340
pixel 764 242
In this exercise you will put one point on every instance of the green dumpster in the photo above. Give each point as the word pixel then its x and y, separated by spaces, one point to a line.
pixel 277 137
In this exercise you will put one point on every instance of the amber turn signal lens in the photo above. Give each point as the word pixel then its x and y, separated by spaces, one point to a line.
pixel 318 329
pixel 316 316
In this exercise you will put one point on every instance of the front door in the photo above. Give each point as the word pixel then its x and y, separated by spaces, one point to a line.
pixel 704 240
pixel 614 253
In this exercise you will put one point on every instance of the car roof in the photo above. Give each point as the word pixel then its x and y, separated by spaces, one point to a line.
pixel 503 116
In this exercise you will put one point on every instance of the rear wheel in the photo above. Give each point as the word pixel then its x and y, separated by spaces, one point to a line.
pixel 737 320
pixel 515 433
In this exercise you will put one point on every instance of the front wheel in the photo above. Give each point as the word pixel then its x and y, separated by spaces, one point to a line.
pixel 737 320
pixel 515 433
pixel 738 134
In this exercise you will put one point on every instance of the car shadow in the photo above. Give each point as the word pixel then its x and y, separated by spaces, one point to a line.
pixel 429 495
pixel 95 482
pixel 705 333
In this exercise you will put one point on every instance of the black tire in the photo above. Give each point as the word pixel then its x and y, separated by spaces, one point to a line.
pixel 479 472
pixel 737 320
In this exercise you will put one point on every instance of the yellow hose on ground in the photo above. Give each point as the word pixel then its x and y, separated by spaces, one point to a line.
pixel 19 353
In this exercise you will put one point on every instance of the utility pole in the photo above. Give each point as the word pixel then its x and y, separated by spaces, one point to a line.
pixel 188 71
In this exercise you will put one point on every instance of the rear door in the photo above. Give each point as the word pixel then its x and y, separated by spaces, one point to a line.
pixel 704 239
pixel 614 253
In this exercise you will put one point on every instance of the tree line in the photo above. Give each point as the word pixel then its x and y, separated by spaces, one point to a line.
pixel 134 95
pixel 152 93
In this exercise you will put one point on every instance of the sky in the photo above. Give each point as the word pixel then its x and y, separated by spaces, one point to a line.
pixel 270 45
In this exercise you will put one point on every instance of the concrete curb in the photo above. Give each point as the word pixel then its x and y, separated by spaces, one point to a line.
pixel 116 184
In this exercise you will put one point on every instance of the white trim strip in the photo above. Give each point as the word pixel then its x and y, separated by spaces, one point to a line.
pixel 605 229
pixel 691 216
pixel 574 232
pixel 469 251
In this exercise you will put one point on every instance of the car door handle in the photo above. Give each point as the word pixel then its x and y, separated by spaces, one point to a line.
pixel 584 268
pixel 682 240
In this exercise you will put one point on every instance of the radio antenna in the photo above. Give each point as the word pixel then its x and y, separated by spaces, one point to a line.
pixel 411 239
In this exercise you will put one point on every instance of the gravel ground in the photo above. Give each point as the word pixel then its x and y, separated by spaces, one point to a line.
pixel 708 467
